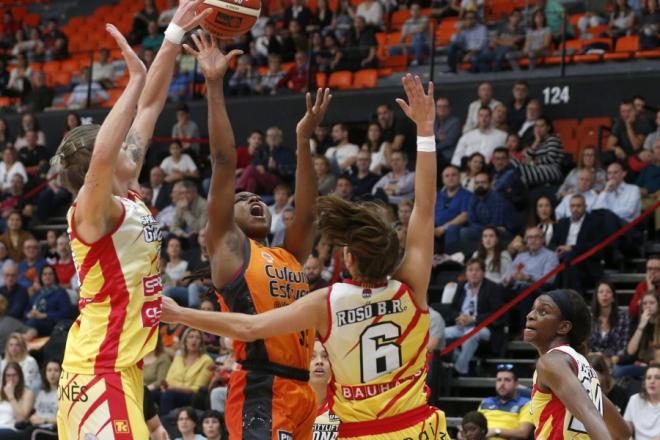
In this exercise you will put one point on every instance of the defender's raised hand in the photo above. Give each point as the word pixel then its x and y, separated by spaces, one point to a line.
pixel 314 114
pixel 213 63
pixel 134 64
pixel 420 107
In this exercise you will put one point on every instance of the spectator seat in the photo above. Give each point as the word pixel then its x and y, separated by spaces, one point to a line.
pixel 625 47
pixel 365 79
pixel 342 80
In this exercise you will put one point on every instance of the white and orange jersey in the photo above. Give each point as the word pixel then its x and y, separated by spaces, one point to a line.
pixel 120 293
pixel 549 414
pixel 377 351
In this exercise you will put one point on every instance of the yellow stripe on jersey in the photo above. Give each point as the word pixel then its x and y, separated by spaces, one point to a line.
pixel 377 350
pixel 120 293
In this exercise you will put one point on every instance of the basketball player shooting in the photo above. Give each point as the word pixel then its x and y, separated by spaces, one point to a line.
pixel 269 397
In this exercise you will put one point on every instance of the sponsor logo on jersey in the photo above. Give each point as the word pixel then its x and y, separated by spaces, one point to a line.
pixel 369 311
pixel 151 311
pixel 286 283
pixel 121 427
pixel 152 285
pixel 284 435
pixel 151 229
pixel 72 392
pixel 366 293
pixel 362 392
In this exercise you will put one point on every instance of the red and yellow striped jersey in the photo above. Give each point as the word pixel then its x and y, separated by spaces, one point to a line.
pixel 377 351
pixel 120 293
pixel 549 414
pixel 270 278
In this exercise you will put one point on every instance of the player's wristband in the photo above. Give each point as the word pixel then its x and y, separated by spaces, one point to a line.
pixel 174 33
pixel 426 144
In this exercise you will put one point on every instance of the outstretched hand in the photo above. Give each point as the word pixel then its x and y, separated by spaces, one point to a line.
pixel 420 107
pixel 314 114
pixel 213 63
pixel 186 16
pixel 134 64
pixel 169 310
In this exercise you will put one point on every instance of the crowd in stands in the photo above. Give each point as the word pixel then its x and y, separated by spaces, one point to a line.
pixel 292 42
pixel 511 206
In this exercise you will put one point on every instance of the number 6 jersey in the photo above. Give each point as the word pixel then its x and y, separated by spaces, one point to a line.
pixel 377 351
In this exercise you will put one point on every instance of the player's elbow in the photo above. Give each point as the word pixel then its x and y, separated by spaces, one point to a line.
pixel 245 332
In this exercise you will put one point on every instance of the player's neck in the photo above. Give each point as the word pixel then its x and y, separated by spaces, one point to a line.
pixel 321 391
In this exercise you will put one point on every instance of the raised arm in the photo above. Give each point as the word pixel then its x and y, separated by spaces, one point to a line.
pixel 299 235
pixel 556 373
pixel 415 269
pixel 97 211
pixel 224 239
pixel 153 97
pixel 307 312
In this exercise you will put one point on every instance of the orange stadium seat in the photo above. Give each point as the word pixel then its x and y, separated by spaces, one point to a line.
pixel 365 79
pixel 625 47
pixel 321 80
pixel 342 80
pixel 566 129
pixel 646 54
pixel 398 63
pixel 32 20
pixel 398 18
pixel 589 128
pixel 444 32
pixel 52 67
pixel 59 79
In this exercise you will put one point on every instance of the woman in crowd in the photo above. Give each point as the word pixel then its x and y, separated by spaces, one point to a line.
pixel 186 422
pixel 609 329
pixel 514 146
pixel 187 374
pixel 43 422
pixel 543 216
pixel 16 401
pixel 175 270
pixel 375 145
pixel 29 123
pixel 16 351
pixel 64 267
pixel 639 351
pixel 490 250
pixel 327 180
pixel 10 166
pixel 155 367
pixel 213 427
pixel 587 159
pixel 49 304
pixel 542 160
pixel 71 121
pixel 615 392
pixel 622 20
pixel 15 236
pixel 475 164
pixel 643 411
pixel 538 41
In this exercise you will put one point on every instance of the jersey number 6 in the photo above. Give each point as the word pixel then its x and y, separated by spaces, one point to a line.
pixel 379 352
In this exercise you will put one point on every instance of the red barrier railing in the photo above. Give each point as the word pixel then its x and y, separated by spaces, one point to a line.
pixel 541 281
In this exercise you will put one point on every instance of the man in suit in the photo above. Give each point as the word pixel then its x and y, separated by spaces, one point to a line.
pixel 474 301
pixel 161 189
pixel 574 236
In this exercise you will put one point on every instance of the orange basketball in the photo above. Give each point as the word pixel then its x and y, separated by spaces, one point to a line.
pixel 230 17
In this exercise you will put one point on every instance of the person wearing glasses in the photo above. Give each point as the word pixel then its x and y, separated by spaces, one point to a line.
pixel 507 413
pixel 567 398
pixel 529 266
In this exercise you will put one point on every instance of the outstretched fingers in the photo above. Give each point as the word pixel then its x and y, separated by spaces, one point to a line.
pixel 232 54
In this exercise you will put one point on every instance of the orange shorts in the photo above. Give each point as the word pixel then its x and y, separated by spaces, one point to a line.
pixel 262 406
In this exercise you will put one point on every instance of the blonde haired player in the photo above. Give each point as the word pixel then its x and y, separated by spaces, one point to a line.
pixel 375 327
pixel 116 245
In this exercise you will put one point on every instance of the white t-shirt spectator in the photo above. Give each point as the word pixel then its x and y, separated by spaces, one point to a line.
pixel 177 271
pixel 78 97
pixel 184 165
pixel 644 416
pixel 343 153
pixel 474 141
pixel 373 13
pixel 7 174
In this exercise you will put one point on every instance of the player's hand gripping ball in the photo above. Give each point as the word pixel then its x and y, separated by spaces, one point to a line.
pixel 230 18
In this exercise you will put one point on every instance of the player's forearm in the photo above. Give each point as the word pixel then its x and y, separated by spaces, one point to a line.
pixel 306 181
pixel 159 77
pixel 221 135
pixel 232 325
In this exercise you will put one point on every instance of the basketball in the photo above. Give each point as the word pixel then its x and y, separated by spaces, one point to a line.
pixel 230 18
